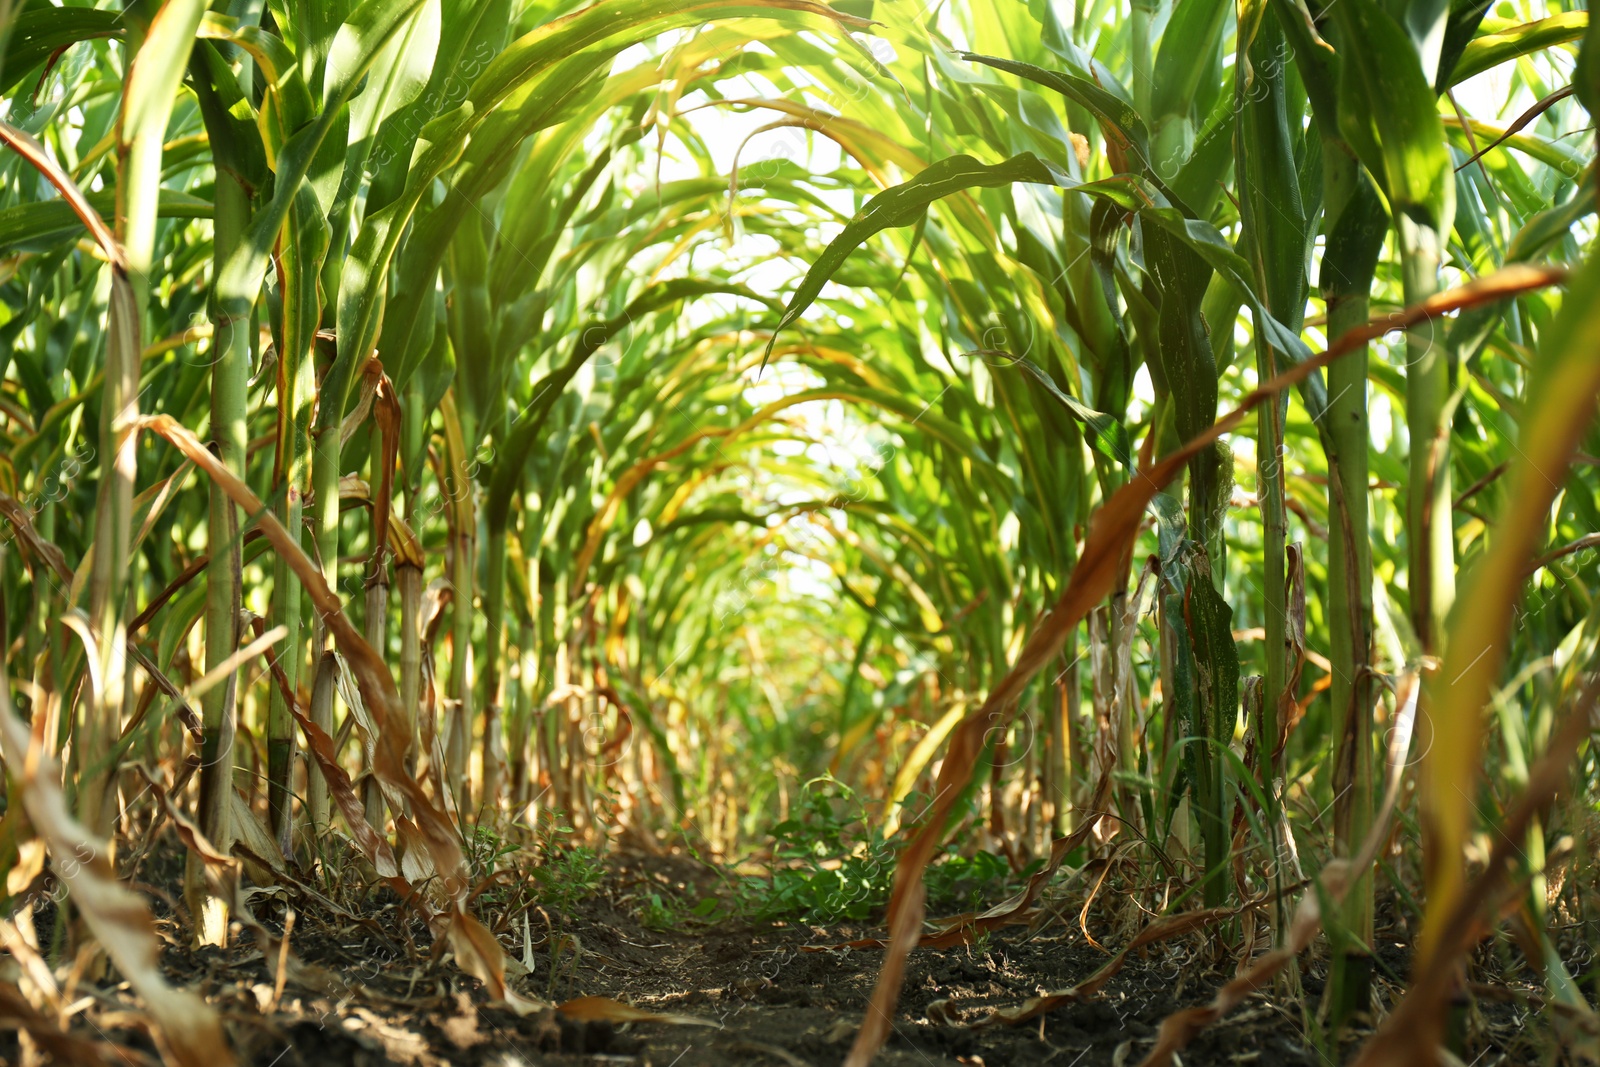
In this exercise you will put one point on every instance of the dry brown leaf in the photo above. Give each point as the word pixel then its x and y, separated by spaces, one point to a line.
pixel 187 1028
pixel 35 972
pixel 1180 1027
pixel 222 878
pixel 61 1046
pixel 342 790
pixel 604 1009
pixel 416 864
pixel 38 549
pixel 253 834
pixel 180 703
pixel 386 413
pixel 480 955
pixel 29 864
pixel 1295 632
pixel 475 947
pixel 350 692
pixel 31 150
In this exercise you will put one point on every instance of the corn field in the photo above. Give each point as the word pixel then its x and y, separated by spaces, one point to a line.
pixel 1112 489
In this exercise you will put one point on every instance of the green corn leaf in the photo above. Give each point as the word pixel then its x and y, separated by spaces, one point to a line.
pixel 1116 115
pixel 1107 435
pixel 614 26
pixel 1388 114
pixel 1427 24
pixel 905 203
pixel 363 285
pixel 1199 181
pixel 360 42
pixel 540 74
pixel 398 76
pixel 1553 224
pixel 305 242
pixel 1586 75
pixel 48 222
pixel 287 105
pixel 1493 49
pixel 317 24
pixel 1462 25
pixel 530 421
pixel 1269 187
pixel 223 106
pixel 1182 347
pixel 354 49
pixel 1188 55
pixel 472 35
pixel 1554 154
pixel 479 366
pixel 39 31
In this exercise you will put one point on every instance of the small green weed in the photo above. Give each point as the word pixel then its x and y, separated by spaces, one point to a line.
pixel 566 874
pixel 485 849
pixel 669 913
pixel 828 865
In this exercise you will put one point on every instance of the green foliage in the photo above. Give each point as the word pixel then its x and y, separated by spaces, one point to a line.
pixel 828 865
pixel 671 912
pixel 486 848
pixel 565 872
pixel 567 876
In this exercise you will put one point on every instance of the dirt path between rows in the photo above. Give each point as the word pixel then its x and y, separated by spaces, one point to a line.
pixel 762 998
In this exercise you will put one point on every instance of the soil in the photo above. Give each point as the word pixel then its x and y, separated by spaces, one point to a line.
pixel 763 998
